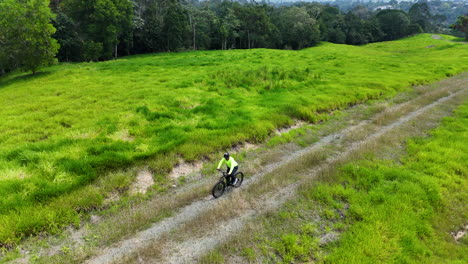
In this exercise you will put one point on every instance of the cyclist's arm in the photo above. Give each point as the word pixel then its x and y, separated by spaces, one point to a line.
pixel 220 163
pixel 230 171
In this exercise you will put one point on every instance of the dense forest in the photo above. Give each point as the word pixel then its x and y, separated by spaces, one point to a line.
pixel 34 33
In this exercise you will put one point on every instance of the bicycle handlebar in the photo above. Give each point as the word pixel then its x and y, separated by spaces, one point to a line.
pixel 223 172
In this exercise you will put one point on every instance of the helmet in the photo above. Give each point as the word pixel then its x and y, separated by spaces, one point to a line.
pixel 226 155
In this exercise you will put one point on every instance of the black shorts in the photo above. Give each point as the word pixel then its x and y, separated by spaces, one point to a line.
pixel 233 171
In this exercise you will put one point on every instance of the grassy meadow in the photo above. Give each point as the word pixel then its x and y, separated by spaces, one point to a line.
pixel 373 210
pixel 71 124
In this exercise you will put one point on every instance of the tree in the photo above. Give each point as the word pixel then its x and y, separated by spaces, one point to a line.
pixel 149 18
pixel 332 25
pixel 71 45
pixel 439 23
pixel 228 26
pixel 107 23
pixel 461 25
pixel 176 29
pixel 202 24
pixel 255 24
pixel 299 29
pixel 420 14
pixel 355 30
pixel 362 12
pixel 414 29
pixel 25 35
pixel 373 27
pixel 394 23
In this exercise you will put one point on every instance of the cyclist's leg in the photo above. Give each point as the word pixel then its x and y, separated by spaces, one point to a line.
pixel 233 177
pixel 229 178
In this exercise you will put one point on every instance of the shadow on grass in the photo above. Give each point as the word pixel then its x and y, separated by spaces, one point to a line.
pixel 12 77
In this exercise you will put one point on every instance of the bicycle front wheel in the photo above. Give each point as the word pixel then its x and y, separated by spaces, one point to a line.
pixel 218 189
pixel 240 179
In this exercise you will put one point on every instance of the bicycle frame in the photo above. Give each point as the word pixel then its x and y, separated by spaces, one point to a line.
pixel 224 183
pixel 224 178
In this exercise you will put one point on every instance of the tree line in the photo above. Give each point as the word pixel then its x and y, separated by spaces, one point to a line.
pixel 34 33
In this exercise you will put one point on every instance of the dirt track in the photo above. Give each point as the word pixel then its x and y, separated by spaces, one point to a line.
pixel 182 240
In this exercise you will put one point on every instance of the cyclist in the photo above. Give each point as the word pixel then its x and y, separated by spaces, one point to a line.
pixel 232 167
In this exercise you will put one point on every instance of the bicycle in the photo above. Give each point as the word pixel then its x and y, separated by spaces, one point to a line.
pixel 223 183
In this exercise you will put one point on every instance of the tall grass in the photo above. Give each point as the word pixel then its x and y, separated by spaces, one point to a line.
pixel 406 213
pixel 73 123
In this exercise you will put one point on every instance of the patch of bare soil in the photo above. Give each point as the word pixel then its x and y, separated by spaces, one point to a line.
pixel 112 197
pixel 122 135
pixel 296 125
pixel 460 233
pixel 143 181
pixel 246 146
pixel 184 169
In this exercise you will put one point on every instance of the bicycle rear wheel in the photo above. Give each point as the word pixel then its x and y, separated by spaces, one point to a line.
pixel 218 189
pixel 240 179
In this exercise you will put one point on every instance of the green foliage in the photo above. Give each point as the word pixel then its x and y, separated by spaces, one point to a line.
pixel 103 26
pixel 25 35
pixel 249 253
pixel 299 29
pixel 89 120
pixel 33 220
pixel 292 247
pixel 420 14
pixel 414 29
pixel 227 27
pixel 255 25
pixel 92 51
pixel 401 211
pixel 212 258
pixel 93 30
pixel 175 26
pixel 394 23
pixel 461 25
pixel 290 236
pixel 67 36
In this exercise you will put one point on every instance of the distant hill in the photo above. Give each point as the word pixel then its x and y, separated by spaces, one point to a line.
pixel 451 9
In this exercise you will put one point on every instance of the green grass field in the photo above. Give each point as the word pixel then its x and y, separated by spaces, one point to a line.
pixel 400 211
pixel 72 124
pixel 405 213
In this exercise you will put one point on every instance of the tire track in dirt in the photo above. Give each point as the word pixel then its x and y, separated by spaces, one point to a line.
pixel 198 208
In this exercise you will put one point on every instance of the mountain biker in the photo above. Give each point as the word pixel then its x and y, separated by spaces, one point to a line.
pixel 232 167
